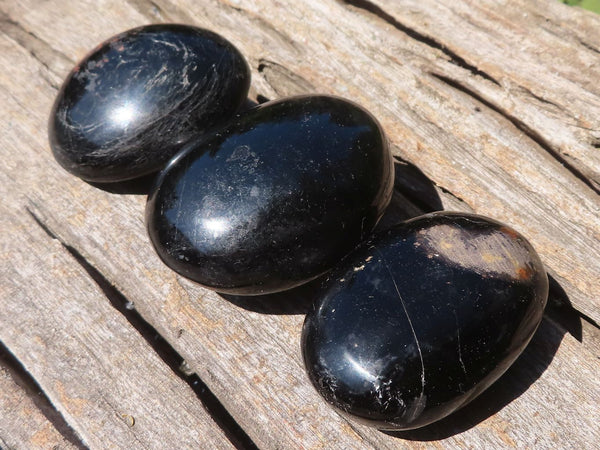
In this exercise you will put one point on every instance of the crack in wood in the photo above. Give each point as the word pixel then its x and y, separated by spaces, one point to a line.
pixel 522 126
pixel 454 58
pixel 161 347
pixel 40 50
pixel 149 9
pixel 589 46
pixel 591 322
pixel 164 11
pixel 423 206
pixel 23 378
pixel 415 187
pixel 539 98
pixel 453 195
pixel 283 81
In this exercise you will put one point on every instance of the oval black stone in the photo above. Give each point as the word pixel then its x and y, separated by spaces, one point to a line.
pixel 274 199
pixel 128 107
pixel 422 318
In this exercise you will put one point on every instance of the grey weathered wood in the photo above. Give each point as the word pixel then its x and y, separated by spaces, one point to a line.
pixel 98 371
pixel 492 144
pixel 510 43
pixel 462 129
pixel 22 423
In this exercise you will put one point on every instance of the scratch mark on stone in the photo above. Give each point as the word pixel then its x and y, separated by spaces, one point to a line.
pixel 462 364
pixel 362 227
pixel 412 328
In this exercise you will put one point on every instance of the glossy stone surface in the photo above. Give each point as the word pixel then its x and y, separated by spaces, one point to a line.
pixel 274 199
pixel 128 107
pixel 422 318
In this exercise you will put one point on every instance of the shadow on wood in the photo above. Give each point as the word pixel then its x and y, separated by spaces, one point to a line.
pixel 137 186
pixel 295 301
pixel 416 186
pixel 560 310
pixel 414 194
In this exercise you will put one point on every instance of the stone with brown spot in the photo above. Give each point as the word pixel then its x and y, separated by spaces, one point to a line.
pixel 445 305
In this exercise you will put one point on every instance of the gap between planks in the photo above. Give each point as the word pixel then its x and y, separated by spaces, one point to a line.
pixel 101 376
pixel 282 66
pixel 56 433
pixel 161 347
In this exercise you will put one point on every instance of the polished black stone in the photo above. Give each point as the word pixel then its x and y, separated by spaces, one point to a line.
pixel 422 318
pixel 128 107
pixel 274 199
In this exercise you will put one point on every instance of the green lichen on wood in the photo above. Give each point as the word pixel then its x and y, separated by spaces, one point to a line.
pixel 591 5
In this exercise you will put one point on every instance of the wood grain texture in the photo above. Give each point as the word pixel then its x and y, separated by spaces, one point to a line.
pixel 101 375
pixel 23 424
pixel 512 43
pixel 493 145
pixel 487 137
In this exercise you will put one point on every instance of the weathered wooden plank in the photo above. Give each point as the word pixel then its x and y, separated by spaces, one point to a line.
pixel 251 360
pixel 462 140
pixel 544 71
pixel 491 145
pixel 22 423
pixel 98 371
pixel 272 399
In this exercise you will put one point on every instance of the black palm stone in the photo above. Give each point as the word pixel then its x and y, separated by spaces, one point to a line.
pixel 275 198
pixel 128 107
pixel 422 318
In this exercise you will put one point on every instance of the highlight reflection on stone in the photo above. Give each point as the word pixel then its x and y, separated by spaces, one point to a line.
pixel 127 108
pixel 422 318
pixel 275 198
